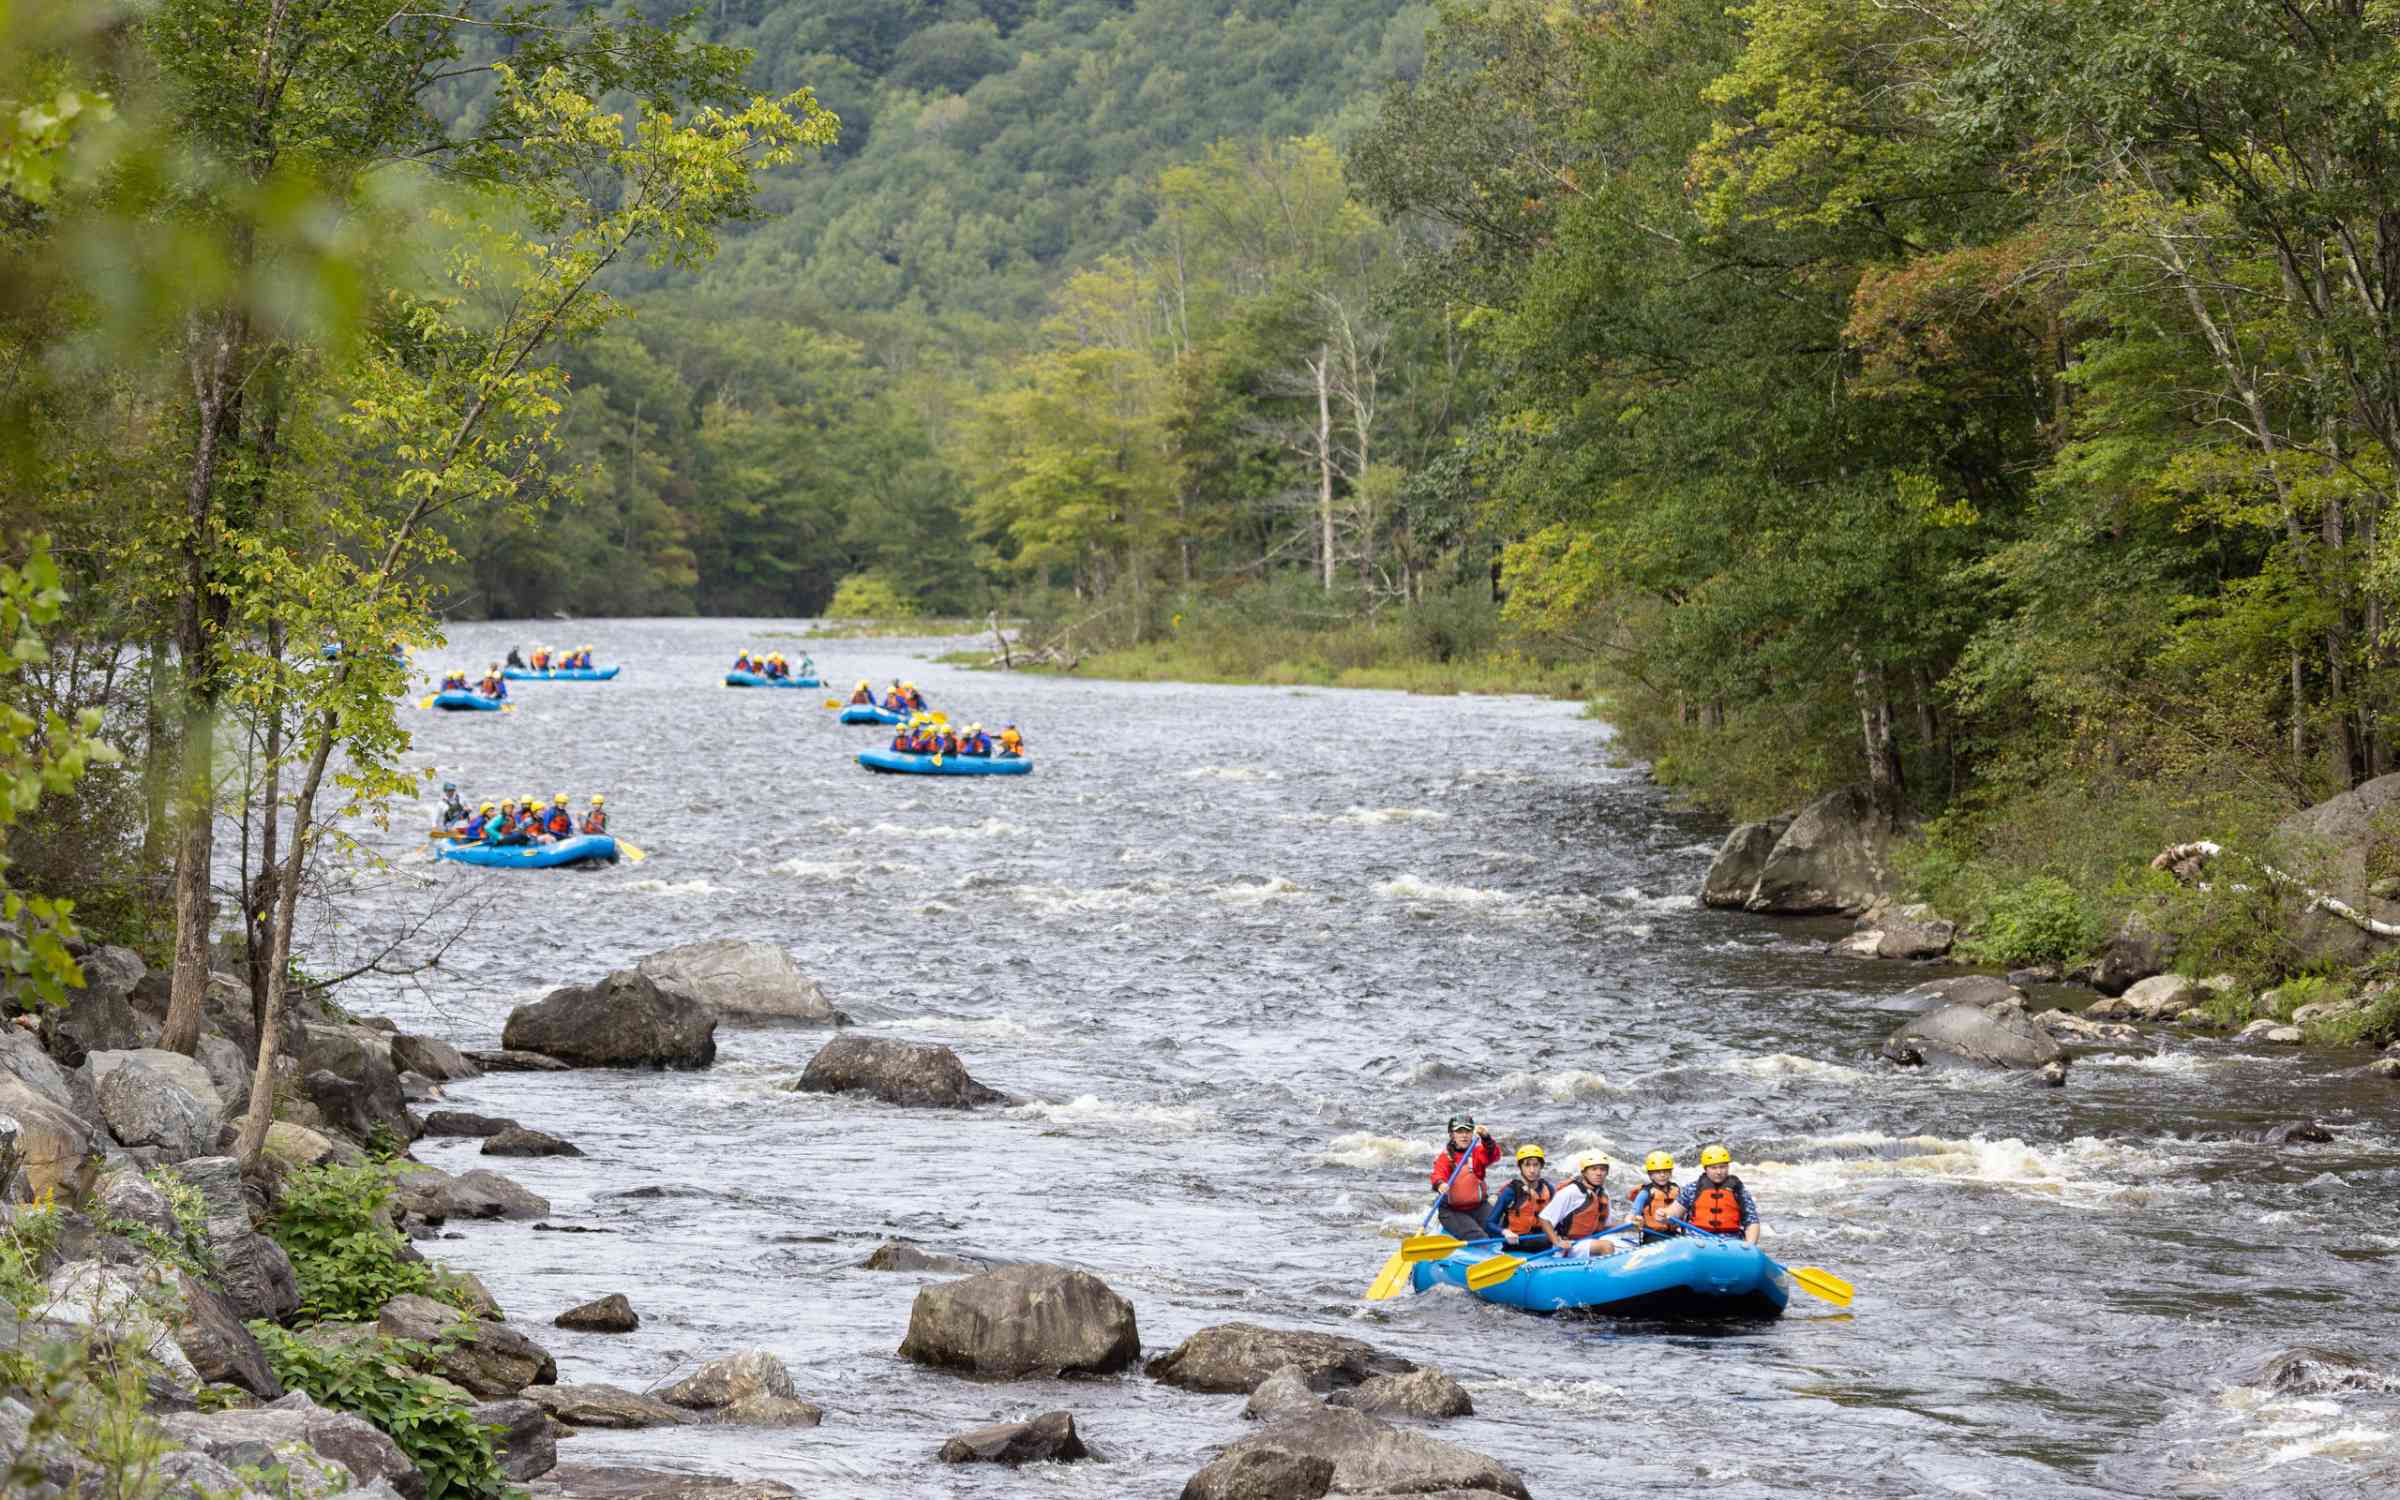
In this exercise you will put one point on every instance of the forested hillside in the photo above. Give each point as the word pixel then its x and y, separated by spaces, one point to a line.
pixel 793 415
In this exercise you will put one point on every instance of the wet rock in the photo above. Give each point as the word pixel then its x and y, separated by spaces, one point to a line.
pixel 610 1314
pixel 2134 952
pixel 457 1122
pixel 347 1073
pixel 900 1255
pixel 737 1377
pixel 298 1146
pixel 100 1016
pixel 2037 974
pixel 433 1057
pixel 2053 1074
pixel 1972 1036
pixel 2321 1372
pixel 509 1060
pixel 624 1021
pixel 489 1359
pixel 1980 990
pixel 238 1437
pixel 2197 1018
pixel 2385 1067
pixel 1290 1389
pixel 251 1270
pixel 1833 857
pixel 437 1196
pixel 1371 1457
pixel 1733 875
pixel 2293 1132
pixel 518 1141
pixel 2066 1026
pixel 466 1290
pixel 1262 1474
pixel 22 1058
pixel 1023 1320
pixel 50 1143
pixel 2268 1029
pixel 604 1406
pixel 1914 932
pixel 220 1349
pixel 1426 1394
pixel 907 1073
pixel 416 1088
pixel 1048 1439
pixel 744 981
pixel 1234 1358
pixel 624 1482
pixel 2161 997
pixel 525 1444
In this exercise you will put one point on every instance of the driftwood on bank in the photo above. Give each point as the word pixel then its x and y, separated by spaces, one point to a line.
pixel 2198 853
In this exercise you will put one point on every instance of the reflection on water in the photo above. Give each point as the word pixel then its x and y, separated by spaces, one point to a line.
pixel 1240 950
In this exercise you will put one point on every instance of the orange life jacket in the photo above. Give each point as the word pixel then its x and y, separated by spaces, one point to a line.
pixel 1589 1217
pixel 1718 1208
pixel 1466 1189
pixel 595 821
pixel 1526 1211
pixel 1652 1201
pixel 561 823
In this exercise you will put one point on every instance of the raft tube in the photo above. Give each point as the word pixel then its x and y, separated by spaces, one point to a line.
pixel 952 765
pixel 559 674
pixel 868 713
pixel 753 679
pixel 584 848
pixel 459 702
pixel 1679 1280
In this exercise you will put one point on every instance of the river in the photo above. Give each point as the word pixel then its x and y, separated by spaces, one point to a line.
pixel 1245 948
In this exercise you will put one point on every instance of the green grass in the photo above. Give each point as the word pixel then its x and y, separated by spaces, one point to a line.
pixel 1332 662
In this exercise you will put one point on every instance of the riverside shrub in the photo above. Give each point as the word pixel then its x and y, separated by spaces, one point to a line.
pixel 2041 921
pixel 347 1257
pixel 372 1380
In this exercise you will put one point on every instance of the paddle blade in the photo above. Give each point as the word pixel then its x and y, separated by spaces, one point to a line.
pixel 1419 1247
pixel 633 852
pixel 1822 1284
pixel 939 717
pixel 426 701
pixel 937 759
pixel 833 703
pixel 1388 1281
pixel 1492 1272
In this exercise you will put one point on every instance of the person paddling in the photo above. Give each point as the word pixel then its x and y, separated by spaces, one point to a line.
pixel 454 812
pixel 1579 1210
pixel 1716 1200
pixel 596 821
pixel 1654 1200
pixel 1516 1216
pixel 1462 1194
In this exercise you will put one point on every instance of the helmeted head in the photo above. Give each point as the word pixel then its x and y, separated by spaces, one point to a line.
pixel 1592 1169
pixel 507 803
pixel 1530 1154
pixel 560 800
pixel 449 786
pixel 908 687
pixel 598 800
pixel 1715 1160
pixel 1462 1129
pixel 864 683
pixel 487 809
pixel 1658 1161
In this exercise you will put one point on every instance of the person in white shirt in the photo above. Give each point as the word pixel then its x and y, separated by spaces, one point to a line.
pixel 1579 1210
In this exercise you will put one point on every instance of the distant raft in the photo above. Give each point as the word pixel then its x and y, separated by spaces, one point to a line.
pixel 754 679
pixel 898 764
pixel 1679 1280
pixel 583 849
pixel 560 674
pixel 868 713
pixel 458 702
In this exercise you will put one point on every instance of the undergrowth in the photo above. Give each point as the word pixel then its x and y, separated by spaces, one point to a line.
pixel 373 1379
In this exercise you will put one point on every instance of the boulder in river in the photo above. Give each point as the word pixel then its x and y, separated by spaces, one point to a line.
pixel 1915 931
pixel 150 1097
pixel 1426 1394
pixel 1235 1358
pixel 1956 1034
pixel 489 1359
pixel 1733 875
pixel 604 1406
pixel 2134 952
pixel 624 1021
pixel 1271 1473
pixel 504 1060
pixel 458 1122
pixel 744 981
pixel 1289 1390
pixel 2268 1029
pixel 1835 857
pixel 903 1255
pixel 2322 1372
pixel 1369 1457
pixel 519 1141
pixel 1023 1320
pixel 433 1057
pixel 1047 1439
pixel 906 1073
pixel 1979 990
pixel 2161 997
pixel 609 1314
pixel 435 1195
pixel 751 1387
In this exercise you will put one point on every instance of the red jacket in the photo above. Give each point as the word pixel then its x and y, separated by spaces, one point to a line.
pixel 1481 1158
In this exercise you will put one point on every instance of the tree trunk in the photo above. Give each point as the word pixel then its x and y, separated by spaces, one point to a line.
pixel 1320 369
pixel 1884 781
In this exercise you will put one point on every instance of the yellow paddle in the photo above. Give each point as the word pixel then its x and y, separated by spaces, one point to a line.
pixel 1492 1272
pixel 833 703
pixel 633 852
pixel 1815 1282
pixel 427 700
pixel 1393 1277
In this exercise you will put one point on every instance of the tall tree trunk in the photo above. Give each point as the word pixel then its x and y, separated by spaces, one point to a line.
pixel 1884 779
pixel 1321 368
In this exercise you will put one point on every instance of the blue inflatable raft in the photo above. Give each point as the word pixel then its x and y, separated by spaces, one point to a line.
pixel 753 679
pixel 868 713
pixel 1684 1279
pixel 458 702
pixel 584 848
pixel 560 674
pixel 952 765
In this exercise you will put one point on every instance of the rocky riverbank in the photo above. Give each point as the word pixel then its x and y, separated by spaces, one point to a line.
pixel 213 1331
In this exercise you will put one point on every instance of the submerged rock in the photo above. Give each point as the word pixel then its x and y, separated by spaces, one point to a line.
pixel 435 1195
pixel 433 1057
pixel 508 1060
pixel 607 1406
pixel 1427 1394
pixel 518 1141
pixel 1368 1457
pixel 1971 1035
pixel 458 1122
pixel 1023 1320
pixel 744 981
pixel 1289 1390
pixel 901 1255
pixel 1233 1358
pixel 624 1021
pixel 2322 1372
pixel 1048 1439
pixel 610 1314
pixel 905 1073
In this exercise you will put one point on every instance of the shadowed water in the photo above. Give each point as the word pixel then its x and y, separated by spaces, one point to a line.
pixel 1243 949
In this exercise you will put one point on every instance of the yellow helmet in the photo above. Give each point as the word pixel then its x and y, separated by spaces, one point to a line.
pixel 508 802
pixel 1658 1161
pixel 488 807
pixel 862 682
pixel 1529 1152
pixel 598 800
pixel 908 687
pixel 1586 1163
pixel 1715 1156
pixel 560 799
